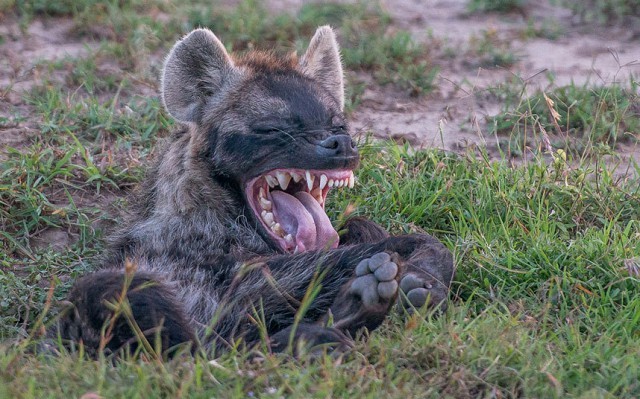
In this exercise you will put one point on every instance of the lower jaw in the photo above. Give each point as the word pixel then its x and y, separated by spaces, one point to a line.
pixel 286 240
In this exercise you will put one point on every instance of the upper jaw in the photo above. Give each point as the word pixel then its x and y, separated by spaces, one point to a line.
pixel 315 182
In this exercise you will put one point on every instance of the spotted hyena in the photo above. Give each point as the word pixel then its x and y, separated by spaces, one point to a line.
pixel 228 231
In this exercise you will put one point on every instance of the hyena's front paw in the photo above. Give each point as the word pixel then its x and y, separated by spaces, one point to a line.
pixel 375 280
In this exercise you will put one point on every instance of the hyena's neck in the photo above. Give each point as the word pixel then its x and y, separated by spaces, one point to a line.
pixel 182 206
pixel 184 183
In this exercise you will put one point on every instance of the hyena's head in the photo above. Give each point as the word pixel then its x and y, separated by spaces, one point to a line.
pixel 272 129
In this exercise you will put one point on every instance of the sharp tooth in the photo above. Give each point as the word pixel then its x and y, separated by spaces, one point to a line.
pixel 323 181
pixel 288 239
pixel 296 177
pixel 267 217
pixel 310 178
pixel 261 194
pixel 331 182
pixel 265 204
pixel 271 181
pixel 317 193
pixel 345 182
pixel 283 178
pixel 352 180
pixel 277 229
pixel 297 250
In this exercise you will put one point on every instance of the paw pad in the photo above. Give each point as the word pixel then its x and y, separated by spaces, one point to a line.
pixel 375 279
pixel 416 289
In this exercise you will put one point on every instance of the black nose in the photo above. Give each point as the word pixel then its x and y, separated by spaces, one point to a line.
pixel 341 145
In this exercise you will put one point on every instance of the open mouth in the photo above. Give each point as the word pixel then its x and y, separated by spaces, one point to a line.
pixel 290 205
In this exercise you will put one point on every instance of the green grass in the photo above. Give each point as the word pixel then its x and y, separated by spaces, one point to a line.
pixel 544 303
pixel 550 29
pixel 132 33
pixel 589 119
pixel 605 11
pixel 496 5
pixel 489 50
pixel 392 57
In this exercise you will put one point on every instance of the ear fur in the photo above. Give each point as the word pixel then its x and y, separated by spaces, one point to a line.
pixel 197 68
pixel 322 62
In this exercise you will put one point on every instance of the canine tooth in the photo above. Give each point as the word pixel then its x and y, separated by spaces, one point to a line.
pixel 296 177
pixel 268 217
pixel 277 229
pixel 297 250
pixel 283 178
pixel 352 180
pixel 271 181
pixel 310 178
pixel 330 184
pixel 323 181
pixel 265 204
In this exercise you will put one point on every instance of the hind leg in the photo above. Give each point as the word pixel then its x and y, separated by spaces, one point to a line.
pixel 363 302
pixel 93 317
pixel 428 270
pixel 427 276
pixel 360 230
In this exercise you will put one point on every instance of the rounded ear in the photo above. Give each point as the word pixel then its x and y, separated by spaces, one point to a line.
pixel 197 67
pixel 322 62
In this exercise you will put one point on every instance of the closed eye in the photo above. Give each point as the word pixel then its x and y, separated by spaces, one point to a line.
pixel 339 129
pixel 269 130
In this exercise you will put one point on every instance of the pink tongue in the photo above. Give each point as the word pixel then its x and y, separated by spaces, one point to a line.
pixel 303 217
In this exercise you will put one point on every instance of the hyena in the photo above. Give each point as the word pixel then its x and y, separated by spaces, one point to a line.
pixel 229 232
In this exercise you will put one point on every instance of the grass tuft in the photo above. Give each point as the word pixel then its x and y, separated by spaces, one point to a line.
pixel 606 11
pixel 496 5
pixel 577 119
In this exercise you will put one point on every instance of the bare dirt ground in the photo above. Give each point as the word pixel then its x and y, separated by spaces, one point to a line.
pixel 452 117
